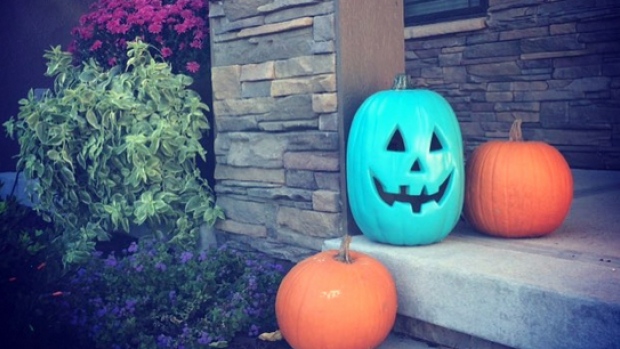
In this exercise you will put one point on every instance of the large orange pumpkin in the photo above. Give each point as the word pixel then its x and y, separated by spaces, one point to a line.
pixel 517 188
pixel 337 300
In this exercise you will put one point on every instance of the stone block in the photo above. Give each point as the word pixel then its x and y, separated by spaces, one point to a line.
pixel 327 180
pixel 236 123
pixel 311 161
pixel 294 107
pixel 276 27
pixel 325 102
pixel 225 172
pixel 251 89
pixel 328 122
pixel 231 27
pixel 257 72
pixel 293 125
pixel 305 65
pixel 259 150
pixel 243 106
pixel 312 140
pixel 289 237
pixel 253 230
pixel 321 47
pixel 516 34
pixel 237 9
pixel 517 106
pixel 494 69
pixel 450 59
pixel 247 211
pixel 326 201
pixel 493 49
pixel 278 5
pixel 300 179
pixel 225 81
pixel 311 84
pixel 506 96
pixel 312 223
pixel 576 72
pixel 307 10
pixel 566 42
pixel 324 28
pixel 513 115
pixel 590 84
pixel 454 74
pixel 281 194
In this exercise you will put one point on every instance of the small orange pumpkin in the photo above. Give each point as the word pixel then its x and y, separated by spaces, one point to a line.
pixel 516 188
pixel 337 300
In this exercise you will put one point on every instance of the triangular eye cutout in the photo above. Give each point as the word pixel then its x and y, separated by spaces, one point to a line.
pixel 396 142
pixel 435 143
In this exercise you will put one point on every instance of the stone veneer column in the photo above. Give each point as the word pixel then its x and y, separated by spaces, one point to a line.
pixel 287 78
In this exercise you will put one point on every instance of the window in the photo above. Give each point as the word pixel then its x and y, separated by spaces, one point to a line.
pixel 432 11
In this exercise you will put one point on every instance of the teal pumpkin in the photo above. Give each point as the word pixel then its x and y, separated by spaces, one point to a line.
pixel 405 169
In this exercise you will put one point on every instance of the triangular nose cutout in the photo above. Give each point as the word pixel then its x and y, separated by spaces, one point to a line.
pixel 396 142
pixel 416 167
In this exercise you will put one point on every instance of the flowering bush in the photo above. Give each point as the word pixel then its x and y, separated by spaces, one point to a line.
pixel 153 297
pixel 178 29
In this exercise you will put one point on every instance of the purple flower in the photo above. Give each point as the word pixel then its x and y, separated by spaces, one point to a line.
pixel 204 338
pixel 164 341
pixel 253 331
pixel 160 266
pixel 186 256
pixel 110 261
pixel 133 247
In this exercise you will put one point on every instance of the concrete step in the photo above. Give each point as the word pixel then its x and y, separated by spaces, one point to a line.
pixel 557 291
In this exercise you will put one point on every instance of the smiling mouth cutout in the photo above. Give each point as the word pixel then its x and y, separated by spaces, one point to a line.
pixel 416 201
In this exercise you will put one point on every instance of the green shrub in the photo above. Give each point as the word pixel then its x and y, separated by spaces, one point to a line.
pixel 110 148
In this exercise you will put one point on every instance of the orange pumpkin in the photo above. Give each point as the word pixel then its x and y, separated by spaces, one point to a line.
pixel 337 300
pixel 517 188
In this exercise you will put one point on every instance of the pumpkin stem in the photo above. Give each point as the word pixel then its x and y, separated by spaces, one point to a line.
pixel 515 131
pixel 343 252
pixel 401 82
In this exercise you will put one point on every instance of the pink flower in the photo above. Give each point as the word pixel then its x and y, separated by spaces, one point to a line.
pixel 166 52
pixel 96 45
pixel 196 44
pixel 177 28
pixel 155 28
pixel 192 67
pixel 181 28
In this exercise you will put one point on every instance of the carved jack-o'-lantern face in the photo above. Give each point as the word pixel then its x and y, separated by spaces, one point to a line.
pixel 405 170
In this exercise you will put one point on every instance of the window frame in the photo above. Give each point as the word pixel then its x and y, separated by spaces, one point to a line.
pixel 447 16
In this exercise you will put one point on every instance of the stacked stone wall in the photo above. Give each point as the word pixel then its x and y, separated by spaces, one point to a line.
pixel 555 64
pixel 277 142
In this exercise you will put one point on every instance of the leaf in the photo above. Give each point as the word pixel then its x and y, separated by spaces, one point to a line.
pixel 53 155
pixel 91 117
pixel 87 76
pixel 193 204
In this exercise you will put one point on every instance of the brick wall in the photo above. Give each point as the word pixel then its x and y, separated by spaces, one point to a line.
pixel 555 64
